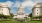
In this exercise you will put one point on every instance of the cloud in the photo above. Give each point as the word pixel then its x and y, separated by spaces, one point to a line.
pixel 17 4
pixel 9 3
pixel 14 11
pixel 28 3
pixel 37 1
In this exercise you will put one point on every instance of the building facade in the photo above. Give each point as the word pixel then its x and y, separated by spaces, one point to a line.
pixel 21 13
pixel 37 10
pixel 4 9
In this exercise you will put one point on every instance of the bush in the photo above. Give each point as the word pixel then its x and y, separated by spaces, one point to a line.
pixel 1 15
pixel 4 16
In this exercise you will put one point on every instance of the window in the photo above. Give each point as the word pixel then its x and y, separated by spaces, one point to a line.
pixel 37 10
pixel 0 6
pixel 6 5
pixel 2 12
pixel 37 13
pixel 20 13
pixel 2 9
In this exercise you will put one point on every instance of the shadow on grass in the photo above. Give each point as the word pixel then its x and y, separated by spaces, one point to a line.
pixel 4 20
pixel 36 20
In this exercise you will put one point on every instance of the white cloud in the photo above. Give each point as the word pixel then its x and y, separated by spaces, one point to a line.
pixel 17 4
pixel 13 11
pixel 30 3
pixel 38 1
pixel 9 3
pixel 27 3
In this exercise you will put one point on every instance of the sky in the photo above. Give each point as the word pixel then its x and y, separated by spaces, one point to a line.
pixel 27 4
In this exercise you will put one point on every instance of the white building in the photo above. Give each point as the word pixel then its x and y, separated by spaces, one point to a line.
pixel 21 13
pixel 15 16
pixel 4 9
pixel 37 10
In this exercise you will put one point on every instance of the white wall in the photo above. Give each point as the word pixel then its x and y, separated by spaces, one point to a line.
pixel 5 11
pixel 34 12
pixel 20 16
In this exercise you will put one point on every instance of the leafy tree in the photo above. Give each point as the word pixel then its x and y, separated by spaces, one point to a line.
pixel 1 15
pixel 11 15
pixel 30 15
pixel 39 16
pixel 4 16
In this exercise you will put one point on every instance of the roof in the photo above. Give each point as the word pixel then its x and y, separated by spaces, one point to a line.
pixel 38 5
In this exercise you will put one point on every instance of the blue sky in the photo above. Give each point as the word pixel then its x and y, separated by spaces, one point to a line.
pixel 27 4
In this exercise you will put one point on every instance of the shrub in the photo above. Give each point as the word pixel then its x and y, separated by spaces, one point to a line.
pixel 11 15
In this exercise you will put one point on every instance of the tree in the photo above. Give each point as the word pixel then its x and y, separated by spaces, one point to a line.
pixel 5 17
pixel 11 15
pixel 30 15
pixel 1 15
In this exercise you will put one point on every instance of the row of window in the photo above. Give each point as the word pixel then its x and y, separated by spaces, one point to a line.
pixel 37 10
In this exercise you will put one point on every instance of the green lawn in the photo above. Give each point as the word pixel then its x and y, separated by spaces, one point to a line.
pixel 13 21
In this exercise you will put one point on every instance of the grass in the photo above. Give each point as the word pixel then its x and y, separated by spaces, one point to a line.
pixel 14 21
